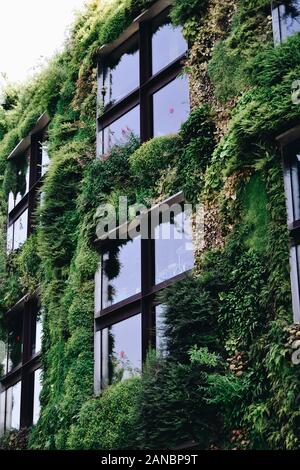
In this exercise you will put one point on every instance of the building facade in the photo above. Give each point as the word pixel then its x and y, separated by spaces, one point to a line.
pixel 150 221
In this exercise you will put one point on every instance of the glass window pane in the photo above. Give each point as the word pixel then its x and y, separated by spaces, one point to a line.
pixel 294 274
pixel 168 44
pixel 11 201
pixel 121 350
pixel 37 334
pixel 15 341
pixel 174 249
pixel 2 412
pixel 171 107
pixel 119 131
pixel 285 24
pixel 3 358
pixel 13 406
pixel 45 159
pixel 276 25
pixel 121 77
pixel 20 230
pixel 295 180
pixel 16 406
pixel 121 272
pixel 36 395
pixel 18 198
pixel 23 175
pixel 291 21
pixel 10 233
pixel 159 329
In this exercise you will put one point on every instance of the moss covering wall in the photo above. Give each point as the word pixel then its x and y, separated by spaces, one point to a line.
pixel 228 380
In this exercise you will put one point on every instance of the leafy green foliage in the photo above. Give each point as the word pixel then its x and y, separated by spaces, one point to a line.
pixel 183 11
pixel 196 149
pixel 168 419
pixel 108 421
pixel 154 156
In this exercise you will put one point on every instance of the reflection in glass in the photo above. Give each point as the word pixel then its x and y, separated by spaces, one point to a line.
pixel 168 44
pixel 160 329
pixel 11 201
pixel 174 249
pixel 119 131
pixel 15 341
pixel 10 235
pixel 121 272
pixel 121 78
pixel 2 412
pixel 171 107
pixel 3 358
pixel 45 159
pixel 37 334
pixel 285 23
pixel 22 175
pixel 13 406
pixel 18 198
pixel 36 395
pixel 295 180
pixel 121 350
pixel 20 230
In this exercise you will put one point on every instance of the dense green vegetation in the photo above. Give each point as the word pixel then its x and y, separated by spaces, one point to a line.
pixel 228 380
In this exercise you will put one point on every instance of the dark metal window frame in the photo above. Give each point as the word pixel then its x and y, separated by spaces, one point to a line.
pixel 145 302
pixel 28 307
pixel 148 83
pixel 29 200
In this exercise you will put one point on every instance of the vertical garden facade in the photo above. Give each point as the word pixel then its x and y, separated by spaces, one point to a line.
pixel 190 113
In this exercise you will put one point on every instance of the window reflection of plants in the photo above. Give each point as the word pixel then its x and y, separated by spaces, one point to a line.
pixel 119 365
pixel 16 176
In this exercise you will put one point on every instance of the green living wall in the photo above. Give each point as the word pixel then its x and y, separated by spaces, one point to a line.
pixel 228 380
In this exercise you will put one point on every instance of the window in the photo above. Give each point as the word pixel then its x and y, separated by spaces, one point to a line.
pixel 118 132
pixel 140 90
pixel 14 341
pixel 170 107
pixel 121 267
pixel 173 240
pixel 159 328
pixel 174 45
pixel 291 155
pixel 37 388
pixel 121 352
pixel 45 160
pixel 29 160
pixel 286 20
pixel 36 332
pixel 17 231
pixel 120 73
pixel 21 370
pixel 128 319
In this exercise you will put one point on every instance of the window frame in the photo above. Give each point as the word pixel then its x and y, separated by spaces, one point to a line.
pixel 148 83
pixel 28 307
pixel 143 303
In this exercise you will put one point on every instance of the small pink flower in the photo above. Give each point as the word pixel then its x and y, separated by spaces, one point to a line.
pixel 171 110
pixel 122 355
